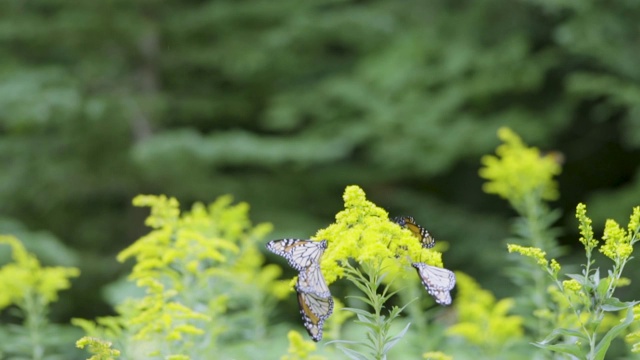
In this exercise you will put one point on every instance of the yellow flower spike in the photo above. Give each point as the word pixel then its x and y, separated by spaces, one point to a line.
pixel 572 285
pixel 555 266
pixel 537 254
pixel 617 244
pixel 518 170
pixel 634 221
pixel 586 232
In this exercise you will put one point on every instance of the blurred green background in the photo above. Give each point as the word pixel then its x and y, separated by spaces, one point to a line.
pixel 283 103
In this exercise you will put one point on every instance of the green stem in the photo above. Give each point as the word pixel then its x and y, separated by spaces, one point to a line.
pixel 35 321
pixel 531 212
pixel 368 280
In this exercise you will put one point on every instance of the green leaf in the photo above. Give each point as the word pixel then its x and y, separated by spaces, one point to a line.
pixel 614 304
pixel 563 332
pixel 572 349
pixel 352 354
pixel 359 312
pixel 391 343
pixel 603 345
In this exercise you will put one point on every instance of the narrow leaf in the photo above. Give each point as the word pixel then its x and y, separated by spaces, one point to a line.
pixel 391 343
pixel 571 349
pixel 614 304
pixel 603 345
pixel 563 332
pixel 352 354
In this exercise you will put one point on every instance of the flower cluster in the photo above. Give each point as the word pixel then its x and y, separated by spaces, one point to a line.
pixel 586 232
pixel 536 254
pixel 363 232
pixel 483 320
pixel 195 267
pixel 25 277
pixel 100 349
pixel 617 243
pixel 300 349
pixel 518 170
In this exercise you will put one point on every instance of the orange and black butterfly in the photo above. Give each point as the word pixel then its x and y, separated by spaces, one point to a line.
pixel 418 231
pixel 301 254
pixel 314 298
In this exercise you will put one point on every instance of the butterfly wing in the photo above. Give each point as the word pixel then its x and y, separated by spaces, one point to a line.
pixel 312 281
pixel 314 310
pixel 437 281
pixel 418 231
pixel 299 253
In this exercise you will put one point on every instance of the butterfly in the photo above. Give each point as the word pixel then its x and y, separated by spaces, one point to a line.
pixel 437 281
pixel 418 231
pixel 311 281
pixel 300 254
pixel 314 310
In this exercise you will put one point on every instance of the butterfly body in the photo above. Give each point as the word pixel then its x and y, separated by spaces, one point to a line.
pixel 437 281
pixel 312 281
pixel 418 231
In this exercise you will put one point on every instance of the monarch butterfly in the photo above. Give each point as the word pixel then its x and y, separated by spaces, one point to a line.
pixel 418 231
pixel 299 253
pixel 314 310
pixel 437 281
pixel 311 281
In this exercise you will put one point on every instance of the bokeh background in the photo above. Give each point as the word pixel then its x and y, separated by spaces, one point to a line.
pixel 283 103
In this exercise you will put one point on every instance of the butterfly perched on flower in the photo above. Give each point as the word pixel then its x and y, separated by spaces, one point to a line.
pixel 314 310
pixel 300 254
pixel 437 281
pixel 314 297
pixel 418 231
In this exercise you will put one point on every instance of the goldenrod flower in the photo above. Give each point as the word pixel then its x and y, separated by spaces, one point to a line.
pixel 363 232
pixel 299 348
pixel 518 170
pixel 586 231
pixel 100 349
pixel 483 320
pixel 537 254
pixel 555 267
pixel 26 277
pixel 572 285
pixel 634 221
pixel 617 244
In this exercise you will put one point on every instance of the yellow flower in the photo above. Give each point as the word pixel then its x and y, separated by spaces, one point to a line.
pixel 363 232
pixel 555 267
pixel 634 221
pixel 518 170
pixel 483 320
pixel 25 277
pixel 537 254
pixel 572 285
pixel 299 348
pixel 436 355
pixel 100 349
pixel 586 231
pixel 617 244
